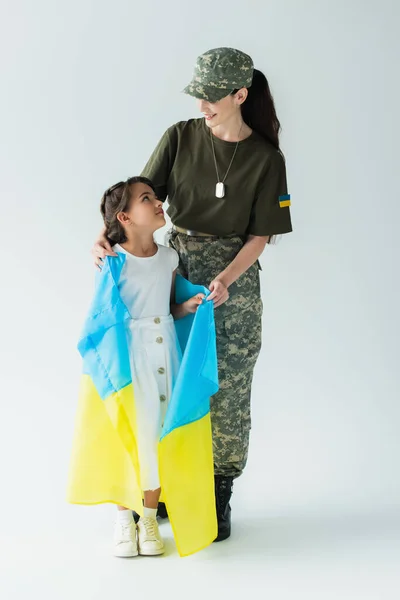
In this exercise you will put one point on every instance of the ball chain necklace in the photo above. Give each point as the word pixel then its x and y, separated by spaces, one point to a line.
pixel 220 187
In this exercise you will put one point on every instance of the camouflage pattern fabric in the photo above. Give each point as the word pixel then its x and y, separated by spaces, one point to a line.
pixel 238 327
pixel 218 72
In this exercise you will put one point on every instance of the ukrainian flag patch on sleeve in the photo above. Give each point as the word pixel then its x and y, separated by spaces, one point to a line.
pixel 284 200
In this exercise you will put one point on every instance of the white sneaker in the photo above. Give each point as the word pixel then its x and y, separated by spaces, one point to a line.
pixel 150 540
pixel 125 543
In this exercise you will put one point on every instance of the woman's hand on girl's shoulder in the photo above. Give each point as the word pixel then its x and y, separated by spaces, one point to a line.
pixel 100 250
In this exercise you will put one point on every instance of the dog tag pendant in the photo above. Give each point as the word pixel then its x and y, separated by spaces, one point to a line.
pixel 220 189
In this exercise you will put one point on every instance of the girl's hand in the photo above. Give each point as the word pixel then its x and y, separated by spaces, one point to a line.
pixel 180 311
pixel 193 304
pixel 101 249
pixel 219 292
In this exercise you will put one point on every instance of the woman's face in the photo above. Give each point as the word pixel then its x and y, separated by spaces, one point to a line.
pixel 145 209
pixel 219 113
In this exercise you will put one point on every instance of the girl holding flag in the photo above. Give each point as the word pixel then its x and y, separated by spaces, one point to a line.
pixel 140 424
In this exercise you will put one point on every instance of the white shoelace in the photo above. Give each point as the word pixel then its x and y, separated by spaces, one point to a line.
pixel 126 532
pixel 150 526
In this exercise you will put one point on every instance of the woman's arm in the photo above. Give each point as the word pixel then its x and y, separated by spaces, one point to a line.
pixel 251 251
pixel 101 249
pixel 157 169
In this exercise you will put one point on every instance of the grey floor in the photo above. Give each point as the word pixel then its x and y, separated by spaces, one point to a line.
pixel 280 558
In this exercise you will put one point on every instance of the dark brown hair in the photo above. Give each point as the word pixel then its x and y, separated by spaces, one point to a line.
pixel 258 110
pixel 115 200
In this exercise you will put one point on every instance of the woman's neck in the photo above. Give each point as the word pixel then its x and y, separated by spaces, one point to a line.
pixel 234 130
pixel 142 245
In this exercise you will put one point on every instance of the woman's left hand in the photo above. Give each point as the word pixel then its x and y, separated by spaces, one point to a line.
pixel 219 292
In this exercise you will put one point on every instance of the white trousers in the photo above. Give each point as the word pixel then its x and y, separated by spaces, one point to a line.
pixel 155 358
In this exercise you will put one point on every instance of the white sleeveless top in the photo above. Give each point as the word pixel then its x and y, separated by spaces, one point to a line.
pixel 145 283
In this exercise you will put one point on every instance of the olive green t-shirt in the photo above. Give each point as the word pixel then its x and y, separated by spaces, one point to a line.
pixel 182 168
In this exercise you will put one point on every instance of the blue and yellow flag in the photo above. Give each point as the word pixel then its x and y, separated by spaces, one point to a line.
pixel 104 465
pixel 284 200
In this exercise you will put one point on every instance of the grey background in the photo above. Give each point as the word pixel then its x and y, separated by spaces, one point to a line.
pixel 87 89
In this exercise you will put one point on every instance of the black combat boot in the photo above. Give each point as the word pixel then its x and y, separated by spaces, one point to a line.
pixel 223 493
pixel 162 511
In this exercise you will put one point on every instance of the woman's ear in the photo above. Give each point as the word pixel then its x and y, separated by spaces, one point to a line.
pixel 241 96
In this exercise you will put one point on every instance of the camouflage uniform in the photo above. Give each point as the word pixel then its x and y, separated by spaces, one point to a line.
pixel 238 328
pixel 182 169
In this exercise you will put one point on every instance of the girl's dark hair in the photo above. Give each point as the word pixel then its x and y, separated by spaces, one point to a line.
pixel 115 200
pixel 258 110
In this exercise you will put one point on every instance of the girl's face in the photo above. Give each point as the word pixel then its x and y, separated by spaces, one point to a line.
pixel 220 113
pixel 145 209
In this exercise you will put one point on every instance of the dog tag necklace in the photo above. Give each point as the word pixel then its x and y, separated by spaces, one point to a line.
pixel 220 187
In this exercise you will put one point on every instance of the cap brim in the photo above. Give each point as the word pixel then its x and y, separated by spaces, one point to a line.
pixel 202 92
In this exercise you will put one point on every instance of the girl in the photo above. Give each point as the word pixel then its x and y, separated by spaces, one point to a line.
pixel 225 179
pixel 132 213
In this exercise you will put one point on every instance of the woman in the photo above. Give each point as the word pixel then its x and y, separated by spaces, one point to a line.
pixel 225 179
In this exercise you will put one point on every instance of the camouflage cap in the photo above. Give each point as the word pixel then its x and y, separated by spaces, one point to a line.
pixel 218 72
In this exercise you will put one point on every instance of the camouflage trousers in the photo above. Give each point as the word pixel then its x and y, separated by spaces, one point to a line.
pixel 238 328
